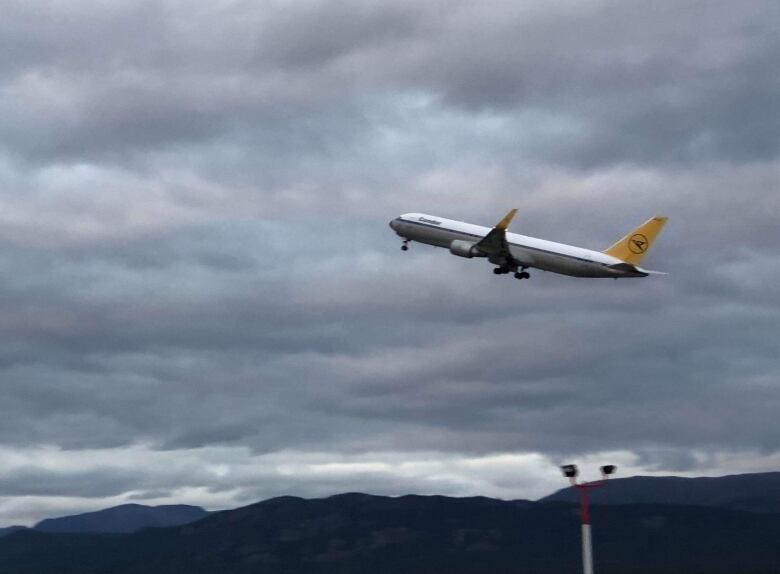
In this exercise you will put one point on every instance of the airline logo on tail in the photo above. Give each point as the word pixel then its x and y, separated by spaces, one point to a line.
pixel 638 243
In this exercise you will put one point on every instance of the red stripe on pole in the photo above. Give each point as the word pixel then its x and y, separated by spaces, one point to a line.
pixel 584 503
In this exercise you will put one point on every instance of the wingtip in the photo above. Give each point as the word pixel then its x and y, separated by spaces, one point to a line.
pixel 504 223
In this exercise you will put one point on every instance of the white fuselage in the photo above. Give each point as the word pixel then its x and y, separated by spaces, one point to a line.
pixel 529 251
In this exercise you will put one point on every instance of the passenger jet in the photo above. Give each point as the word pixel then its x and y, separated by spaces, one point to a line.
pixel 511 252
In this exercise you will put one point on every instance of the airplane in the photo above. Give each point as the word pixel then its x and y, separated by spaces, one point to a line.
pixel 511 252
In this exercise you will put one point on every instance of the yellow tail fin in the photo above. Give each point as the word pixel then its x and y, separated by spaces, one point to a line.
pixel 632 247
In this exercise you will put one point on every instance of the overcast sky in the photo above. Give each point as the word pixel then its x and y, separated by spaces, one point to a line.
pixel 201 301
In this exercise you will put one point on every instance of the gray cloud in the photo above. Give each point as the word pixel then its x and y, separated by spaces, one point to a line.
pixel 93 483
pixel 621 82
pixel 195 254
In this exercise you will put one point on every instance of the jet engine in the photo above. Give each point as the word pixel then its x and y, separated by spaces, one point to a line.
pixel 467 249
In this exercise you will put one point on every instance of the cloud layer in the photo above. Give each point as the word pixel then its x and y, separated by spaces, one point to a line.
pixel 197 271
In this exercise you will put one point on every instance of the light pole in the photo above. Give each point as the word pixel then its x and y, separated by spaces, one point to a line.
pixel 570 471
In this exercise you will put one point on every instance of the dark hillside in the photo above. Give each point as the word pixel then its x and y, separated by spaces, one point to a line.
pixel 123 519
pixel 758 492
pixel 357 533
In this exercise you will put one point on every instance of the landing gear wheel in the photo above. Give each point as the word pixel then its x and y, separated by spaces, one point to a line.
pixel 521 275
pixel 404 247
pixel 501 270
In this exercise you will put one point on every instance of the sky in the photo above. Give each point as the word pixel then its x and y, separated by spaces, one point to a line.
pixel 201 301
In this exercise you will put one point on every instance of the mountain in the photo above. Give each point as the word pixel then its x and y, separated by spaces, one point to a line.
pixel 8 530
pixel 758 492
pixel 358 533
pixel 123 519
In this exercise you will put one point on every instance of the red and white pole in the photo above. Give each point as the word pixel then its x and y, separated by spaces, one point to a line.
pixel 570 471
pixel 587 544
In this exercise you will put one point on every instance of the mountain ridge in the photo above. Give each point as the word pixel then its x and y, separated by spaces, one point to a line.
pixel 354 533
pixel 357 533
pixel 754 492
pixel 121 519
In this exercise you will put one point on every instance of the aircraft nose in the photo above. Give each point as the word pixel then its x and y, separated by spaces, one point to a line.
pixel 394 224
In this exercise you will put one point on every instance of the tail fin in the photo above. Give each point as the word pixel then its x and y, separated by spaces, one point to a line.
pixel 632 247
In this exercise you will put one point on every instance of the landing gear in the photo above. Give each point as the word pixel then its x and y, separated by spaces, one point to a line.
pixel 405 246
pixel 504 269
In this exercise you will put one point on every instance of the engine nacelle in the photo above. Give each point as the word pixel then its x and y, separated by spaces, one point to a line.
pixel 463 248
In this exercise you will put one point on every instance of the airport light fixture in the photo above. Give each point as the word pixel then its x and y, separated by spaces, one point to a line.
pixel 571 472
pixel 607 469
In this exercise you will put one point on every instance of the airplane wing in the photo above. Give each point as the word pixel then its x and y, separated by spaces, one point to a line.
pixel 494 243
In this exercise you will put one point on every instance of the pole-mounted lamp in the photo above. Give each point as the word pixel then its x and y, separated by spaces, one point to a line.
pixel 571 472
